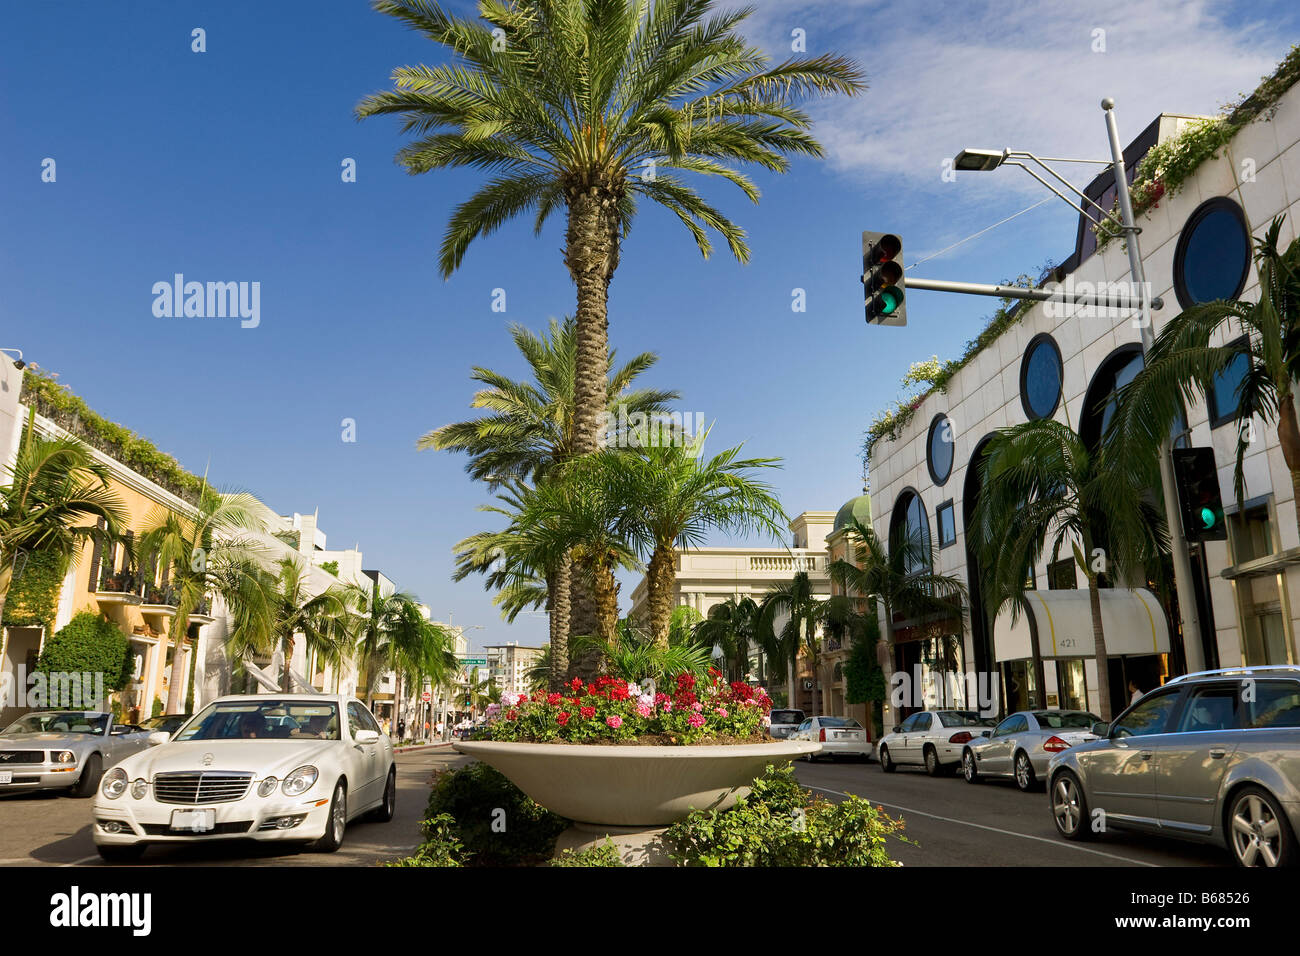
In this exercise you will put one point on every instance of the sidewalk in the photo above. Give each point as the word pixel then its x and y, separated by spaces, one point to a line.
pixel 409 748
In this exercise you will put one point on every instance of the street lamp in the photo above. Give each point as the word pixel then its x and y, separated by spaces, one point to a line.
pixel 983 160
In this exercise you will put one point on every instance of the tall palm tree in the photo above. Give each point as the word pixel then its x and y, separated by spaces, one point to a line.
pixel 899 577
pixel 528 430
pixel 1040 482
pixel 56 493
pixel 732 626
pixel 803 610
pixel 673 497
pixel 212 551
pixel 588 105
pixel 1182 365
pixel 391 633
pixel 322 618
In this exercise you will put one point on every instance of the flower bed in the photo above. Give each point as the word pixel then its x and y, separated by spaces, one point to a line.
pixel 611 710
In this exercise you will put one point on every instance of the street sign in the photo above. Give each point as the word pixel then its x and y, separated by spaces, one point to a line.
pixel 473 662
pixel 426 697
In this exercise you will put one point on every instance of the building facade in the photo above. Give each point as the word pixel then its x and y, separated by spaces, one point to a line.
pixel 1065 362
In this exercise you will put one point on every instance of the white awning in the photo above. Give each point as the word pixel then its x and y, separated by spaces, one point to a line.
pixel 1133 622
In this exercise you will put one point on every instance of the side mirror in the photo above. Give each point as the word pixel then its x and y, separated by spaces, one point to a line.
pixel 120 730
pixel 1101 729
pixel 159 737
pixel 898 729
pixel 986 733
pixel 366 736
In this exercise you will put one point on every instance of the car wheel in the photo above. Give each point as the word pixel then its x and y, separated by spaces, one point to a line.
pixel 1070 807
pixel 932 765
pixel 389 806
pixel 121 854
pixel 1025 778
pixel 886 763
pixel 968 768
pixel 1258 832
pixel 338 822
pixel 91 774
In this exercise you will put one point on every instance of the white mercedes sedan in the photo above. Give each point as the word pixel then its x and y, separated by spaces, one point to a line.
pixel 278 767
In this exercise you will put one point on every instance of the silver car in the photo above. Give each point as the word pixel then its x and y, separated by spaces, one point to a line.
pixel 1212 757
pixel 64 750
pixel 1022 745
pixel 839 737
pixel 784 723
pixel 931 738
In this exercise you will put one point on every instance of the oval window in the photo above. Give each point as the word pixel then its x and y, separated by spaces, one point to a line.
pixel 939 450
pixel 1040 377
pixel 1212 258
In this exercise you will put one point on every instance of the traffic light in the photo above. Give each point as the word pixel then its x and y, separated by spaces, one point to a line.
pixel 882 274
pixel 1197 478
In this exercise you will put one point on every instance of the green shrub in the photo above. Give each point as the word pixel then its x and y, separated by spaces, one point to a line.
pixel 781 824
pixel 494 820
pixel 157 706
pixel 441 846
pixel 605 854
pixel 89 643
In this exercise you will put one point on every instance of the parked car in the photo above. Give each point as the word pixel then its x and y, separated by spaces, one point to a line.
pixel 1023 743
pixel 783 723
pixel 1212 757
pixel 839 737
pixel 64 750
pixel 277 767
pixel 931 738
pixel 166 723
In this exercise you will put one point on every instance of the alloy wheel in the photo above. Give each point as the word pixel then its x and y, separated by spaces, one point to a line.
pixel 1256 832
pixel 1024 773
pixel 1065 805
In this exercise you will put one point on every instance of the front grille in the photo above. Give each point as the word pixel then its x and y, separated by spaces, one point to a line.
pixel 205 786
pixel 162 829
pixel 10 757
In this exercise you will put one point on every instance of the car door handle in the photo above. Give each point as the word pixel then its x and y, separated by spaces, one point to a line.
pixel 1218 753
pixel 1145 754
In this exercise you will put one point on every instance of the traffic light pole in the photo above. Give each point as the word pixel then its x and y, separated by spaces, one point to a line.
pixel 1193 649
pixel 1102 298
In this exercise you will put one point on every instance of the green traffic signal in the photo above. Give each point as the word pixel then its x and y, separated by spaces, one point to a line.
pixel 1208 518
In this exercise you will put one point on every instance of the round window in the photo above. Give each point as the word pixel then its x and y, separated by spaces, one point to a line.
pixel 939 450
pixel 1040 377
pixel 1212 258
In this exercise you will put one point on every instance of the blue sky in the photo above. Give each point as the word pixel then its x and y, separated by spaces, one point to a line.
pixel 225 166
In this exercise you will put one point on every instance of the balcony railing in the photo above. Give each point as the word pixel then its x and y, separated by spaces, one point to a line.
pixel 119 582
pixel 785 564
pixel 161 596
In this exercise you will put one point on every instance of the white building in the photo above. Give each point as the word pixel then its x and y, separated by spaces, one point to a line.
pixel 508 665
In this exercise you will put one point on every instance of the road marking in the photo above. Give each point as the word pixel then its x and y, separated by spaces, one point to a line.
pixel 981 826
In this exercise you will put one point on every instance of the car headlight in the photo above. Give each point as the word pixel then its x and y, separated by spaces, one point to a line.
pixel 267 787
pixel 115 783
pixel 300 781
pixel 65 756
pixel 139 788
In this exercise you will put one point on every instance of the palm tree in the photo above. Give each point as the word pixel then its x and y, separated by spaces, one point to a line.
pixel 634 656
pixel 55 486
pixel 673 497
pixel 527 432
pixel 212 551
pixel 900 578
pixel 1040 481
pixel 391 633
pixel 1182 365
pixel 323 618
pixel 803 610
pixel 732 626
pixel 588 105
pixel 538 674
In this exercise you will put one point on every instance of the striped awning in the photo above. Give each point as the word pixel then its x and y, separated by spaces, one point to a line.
pixel 1133 622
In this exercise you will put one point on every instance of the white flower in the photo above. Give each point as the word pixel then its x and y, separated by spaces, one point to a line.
pixel 633 689
pixel 646 699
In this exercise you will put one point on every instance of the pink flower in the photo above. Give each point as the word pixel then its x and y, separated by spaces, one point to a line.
pixel 615 721
pixel 668 705
pixel 696 720
pixel 644 710
pixel 722 712
pixel 697 707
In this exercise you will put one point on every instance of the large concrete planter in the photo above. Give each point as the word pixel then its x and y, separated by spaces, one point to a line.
pixel 631 786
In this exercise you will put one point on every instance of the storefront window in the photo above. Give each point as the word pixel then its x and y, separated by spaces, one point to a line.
pixel 1071 685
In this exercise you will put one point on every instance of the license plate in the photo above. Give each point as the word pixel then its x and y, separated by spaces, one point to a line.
pixel 6 776
pixel 840 735
pixel 194 821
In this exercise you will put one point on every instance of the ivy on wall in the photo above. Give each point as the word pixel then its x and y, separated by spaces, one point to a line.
pixel 34 595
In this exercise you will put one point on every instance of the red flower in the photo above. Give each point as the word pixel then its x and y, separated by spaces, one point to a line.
pixel 685 682
pixel 576 683
pixel 592 691
pixel 553 699
pixel 512 714
pixel 588 712
pixel 618 692
pixel 562 717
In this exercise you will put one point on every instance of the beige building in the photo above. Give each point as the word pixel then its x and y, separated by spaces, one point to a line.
pixel 508 665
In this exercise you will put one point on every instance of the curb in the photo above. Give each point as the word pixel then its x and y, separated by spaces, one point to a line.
pixel 417 747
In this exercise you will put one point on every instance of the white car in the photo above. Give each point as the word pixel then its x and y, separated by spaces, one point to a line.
pixel 933 739
pixel 839 737
pixel 279 767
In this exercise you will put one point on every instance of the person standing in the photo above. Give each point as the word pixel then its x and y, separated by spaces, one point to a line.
pixel 401 728
pixel 1135 692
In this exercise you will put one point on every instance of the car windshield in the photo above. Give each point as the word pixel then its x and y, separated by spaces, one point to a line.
pixel 787 716
pixel 265 720
pixel 838 722
pixel 59 722
pixel 963 718
pixel 165 724
pixel 1065 719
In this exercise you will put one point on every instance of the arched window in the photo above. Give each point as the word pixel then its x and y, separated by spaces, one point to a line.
pixel 1041 374
pixel 909 526
pixel 939 449
pixel 1212 258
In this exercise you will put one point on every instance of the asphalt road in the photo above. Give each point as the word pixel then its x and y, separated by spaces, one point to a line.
pixel 52 830
pixel 954 823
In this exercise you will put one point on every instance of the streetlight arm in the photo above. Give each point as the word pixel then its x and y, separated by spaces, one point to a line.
pixel 1106 214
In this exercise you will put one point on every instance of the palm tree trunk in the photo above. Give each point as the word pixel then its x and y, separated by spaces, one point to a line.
pixel 661 575
pixel 176 636
pixel 558 585
pixel 606 587
pixel 1288 436
pixel 1099 640
pixel 285 685
pixel 1040 675
pixel 583 622
pixel 591 253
